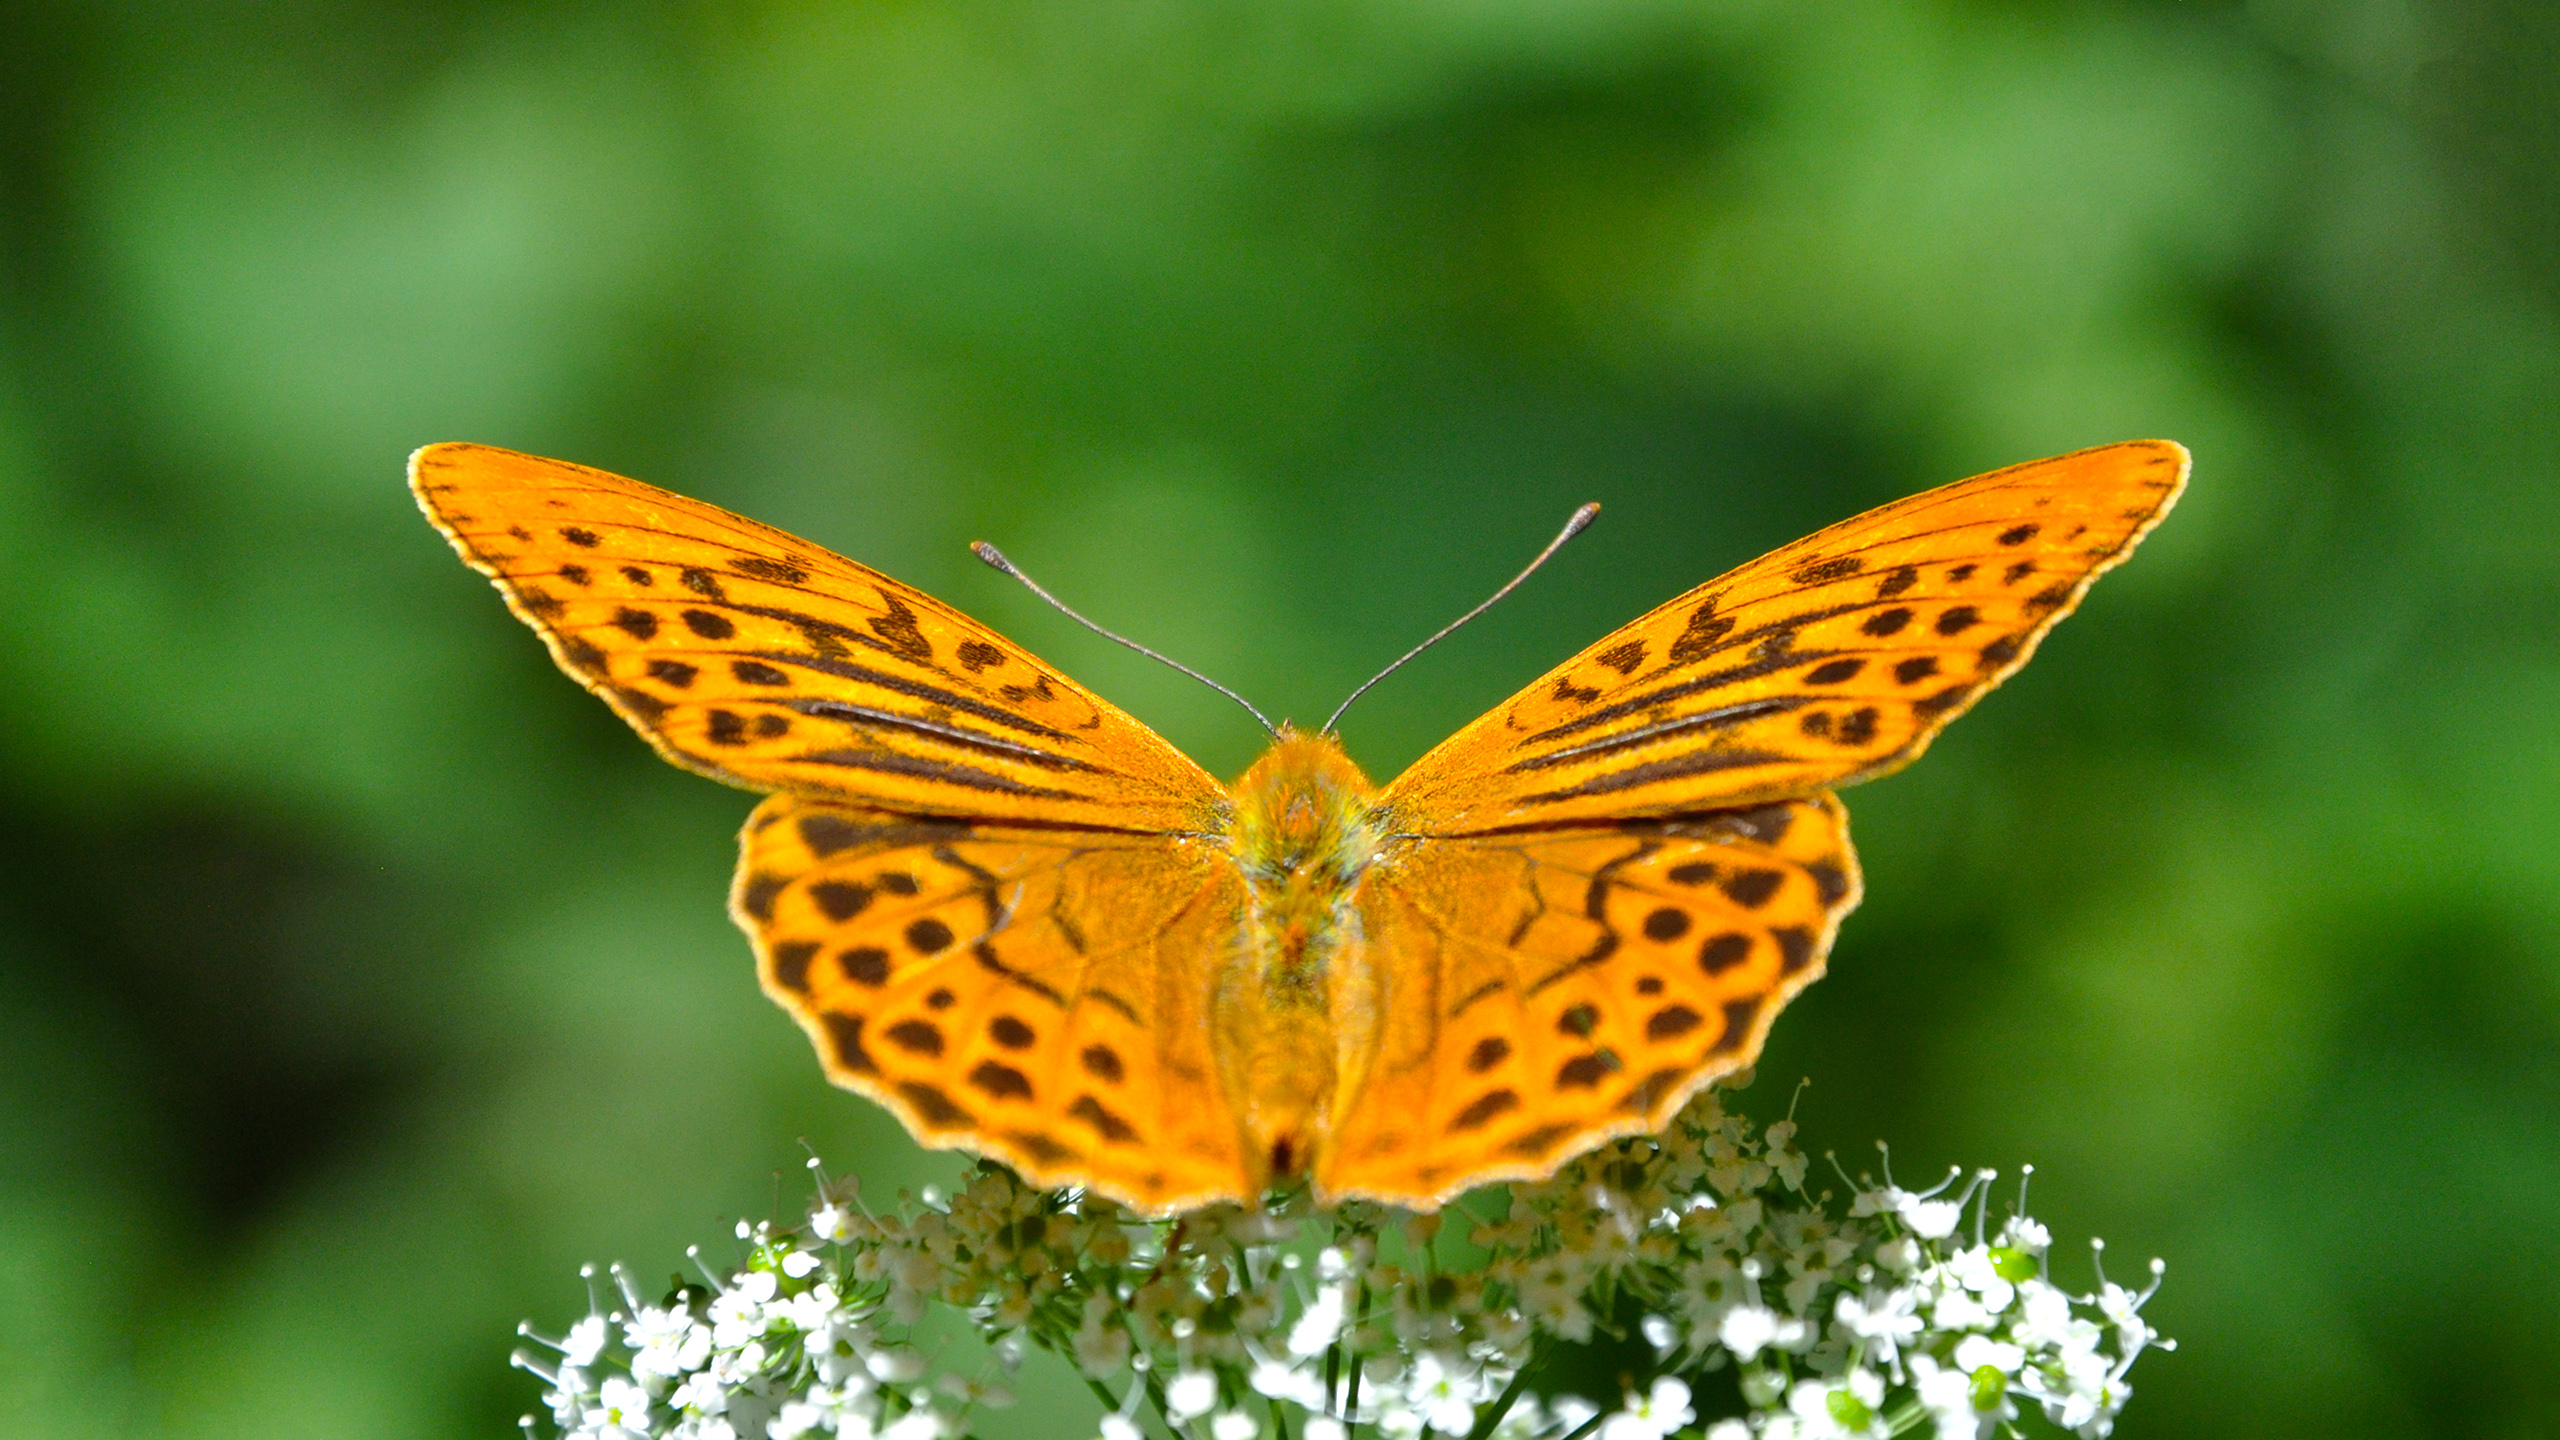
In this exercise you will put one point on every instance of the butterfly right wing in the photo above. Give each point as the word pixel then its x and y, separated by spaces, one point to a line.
pixel 1038 996
pixel 754 657
pixel 1543 991
pixel 1829 661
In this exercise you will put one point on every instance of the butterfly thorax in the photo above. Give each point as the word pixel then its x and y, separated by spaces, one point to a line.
pixel 1305 830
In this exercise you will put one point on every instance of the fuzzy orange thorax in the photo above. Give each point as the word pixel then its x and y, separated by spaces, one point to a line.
pixel 1304 831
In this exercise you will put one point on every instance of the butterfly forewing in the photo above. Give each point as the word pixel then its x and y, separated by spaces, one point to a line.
pixel 1542 991
pixel 1831 660
pixel 760 659
pixel 1037 996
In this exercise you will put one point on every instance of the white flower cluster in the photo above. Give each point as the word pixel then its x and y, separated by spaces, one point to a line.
pixel 1695 1260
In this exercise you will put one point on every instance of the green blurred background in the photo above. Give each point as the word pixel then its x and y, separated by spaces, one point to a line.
pixel 360 977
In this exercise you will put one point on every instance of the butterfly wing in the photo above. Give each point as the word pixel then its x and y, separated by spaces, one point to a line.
pixel 1035 995
pixel 1828 661
pixel 1550 990
pixel 759 659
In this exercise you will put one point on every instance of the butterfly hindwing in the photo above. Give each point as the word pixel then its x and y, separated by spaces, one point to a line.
pixel 1828 661
pixel 757 658
pixel 1543 991
pixel 1036 996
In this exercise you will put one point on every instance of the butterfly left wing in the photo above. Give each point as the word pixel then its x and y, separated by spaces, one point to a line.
pixel 754 657
pixel 1829 661
pixel 1035 995
pixel 1534 994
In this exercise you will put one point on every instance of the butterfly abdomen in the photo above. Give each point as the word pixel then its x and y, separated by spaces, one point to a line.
pixel 1304 831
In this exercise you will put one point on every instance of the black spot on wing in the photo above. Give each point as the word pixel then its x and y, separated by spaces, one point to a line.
pixel 866 965
pixel 1795 947
pixel 844 1033
pixel 1622 658
pixel 780 572
pixel 1110 1126
pixel 1698 638
pixel 791 963
pixel 1484 1108
pixel 841 900
pixel 1723 952
pixel 1000 1080
pixel 934 1107
pixel 916 1037
pixel 900 630
pixel 756 896
pixel 1583 1072
pixel 1824 571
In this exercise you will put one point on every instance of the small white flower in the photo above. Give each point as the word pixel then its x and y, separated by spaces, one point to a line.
pixel 1958 1310
pixel 1659 1333
pixel 1319 1427
pixel 585 1341
pixel 1974 1352
pixel 1442 1395
pixel 894 1367
pixel 621 1405
pixel 1234 1425
pixel 1882 1321
pixel 914 1425
pixel 2045 1319
pixel 1978 1272
pixel 1192 1393
pixel 798 1264
pixel 1322 1323
pixel 1931 1219
pixel 1746 1330
pixel 702 1394
pixel 1280 1380
pixel 666 1343
pixel 1651 1416
pixel 831 1222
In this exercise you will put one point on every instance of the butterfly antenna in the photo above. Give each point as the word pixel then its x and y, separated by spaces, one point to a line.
pixel 1581 520
pixel 995 560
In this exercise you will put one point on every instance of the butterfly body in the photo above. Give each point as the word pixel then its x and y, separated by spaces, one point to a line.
pixel 1032 929
pixel 1305 831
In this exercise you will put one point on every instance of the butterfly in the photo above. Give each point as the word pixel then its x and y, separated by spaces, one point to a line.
pixel 1034 930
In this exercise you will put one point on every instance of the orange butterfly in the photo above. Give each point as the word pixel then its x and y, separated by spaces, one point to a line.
pixel 1034 930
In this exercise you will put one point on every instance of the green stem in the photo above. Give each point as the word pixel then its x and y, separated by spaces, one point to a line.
pixel 1502 1404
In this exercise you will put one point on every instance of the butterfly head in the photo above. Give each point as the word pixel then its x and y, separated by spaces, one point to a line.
pixel 1305 809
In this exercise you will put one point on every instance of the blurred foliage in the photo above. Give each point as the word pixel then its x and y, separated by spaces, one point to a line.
pixel 359 977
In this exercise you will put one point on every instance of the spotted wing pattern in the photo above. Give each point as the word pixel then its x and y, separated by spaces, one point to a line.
pixel 1541 992
pixel 756 658
pixel 1036 995
pixel 1828 661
